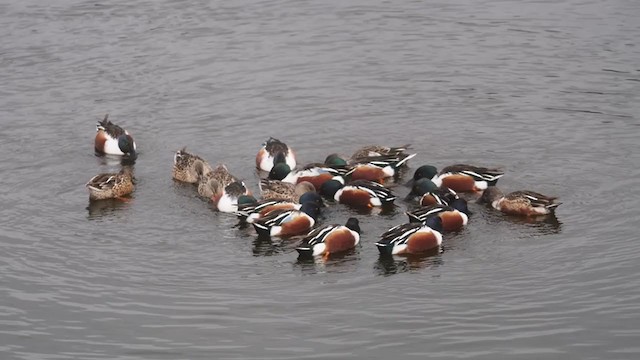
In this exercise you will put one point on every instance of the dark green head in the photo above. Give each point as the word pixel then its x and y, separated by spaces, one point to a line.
pixel 425 172
pixel 434 222
pixel 279 171
pixel 423 186
pixel 311 209
pixel 311 196
pixel 127 145
pixel 329 189
pixel 353 224
pixel 335 161
pixel 460 205
pixel 246 199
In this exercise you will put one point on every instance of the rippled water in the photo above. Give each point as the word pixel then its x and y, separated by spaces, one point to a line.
pixel 547 90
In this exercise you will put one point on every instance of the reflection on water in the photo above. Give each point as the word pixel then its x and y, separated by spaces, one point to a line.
pixel 345 261
pixel 104 208
pixel 390 264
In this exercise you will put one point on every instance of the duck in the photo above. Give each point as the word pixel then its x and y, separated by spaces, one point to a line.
pixel 330 239
pixel 364 194
pixel 460 177
pixel 316 174
pixel 227 201
pixel 114 140
pixel 411 238
pixel 213 181
pixel 189 167
pixel 111 185
pixel 276 189
pixel 430 194
pixel 272 152
pixel 378 168
pixel 361 155
pixel 251 211
pixel 288 222
pixel 523 202
pixel 453 217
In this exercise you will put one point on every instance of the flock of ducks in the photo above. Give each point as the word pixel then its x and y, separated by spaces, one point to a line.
pixel 292 197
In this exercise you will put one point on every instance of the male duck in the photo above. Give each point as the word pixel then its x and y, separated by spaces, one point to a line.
pixel 411 238
pixel 213 181
pixel 453 217
pixel 272 152
pixel 288 222
pixel 378 168
pixel 188 167
pixel 316 174
pixel 364 194
pixel 460 177
pixel 254 210
pixel 331 239
pixel 525 202
pixel 111 185
pixel 228 200
pixel 114 140
pixel 430 194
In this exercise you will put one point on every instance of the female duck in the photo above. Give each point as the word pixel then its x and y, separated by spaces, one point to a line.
pixel 525 202
pixel 111 185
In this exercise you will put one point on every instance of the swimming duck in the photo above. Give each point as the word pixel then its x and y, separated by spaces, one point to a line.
pixel 272 152
pixel 111 185
pixel 378 168
pixel 365 152
pixel 254 210
pixel 364 194
pixel 316 174
pixel 213 180
pixel 114 140
pixel 460 177
pixel 524 202
pixel 411 238
pixel 188 167
pixel 453 217
pixel 288 222
pixel 275 189
pixel 430 194
pixel 228 200
pixel 330 239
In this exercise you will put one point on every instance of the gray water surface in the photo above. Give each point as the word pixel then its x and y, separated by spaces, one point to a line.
pixel 548 90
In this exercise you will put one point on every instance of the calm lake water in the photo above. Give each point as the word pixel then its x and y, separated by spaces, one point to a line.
pixel 548 90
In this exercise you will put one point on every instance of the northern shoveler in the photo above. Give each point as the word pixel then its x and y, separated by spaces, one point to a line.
pixel 111 185
pixel 228 200
pixel 288 222
pixel 274 189
pixel 411 238
pixel 316 174
pixel 255 210
pixel 214 181
pixel 365 152
pixel 378 168
pixel 259 209
pixel 272 152
pixel 460 177
pixel 453 217
pixel 188 167
pixel 330 239
pixel 430 194
pixel 524 202
pixel 329 189
pixel 113 139
pixel 364 194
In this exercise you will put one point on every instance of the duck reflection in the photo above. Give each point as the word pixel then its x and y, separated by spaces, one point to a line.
pixel 390 264
pixel 345 261
pixel 104 208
